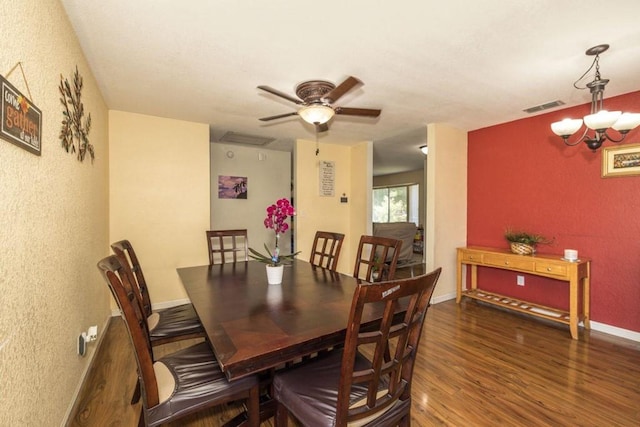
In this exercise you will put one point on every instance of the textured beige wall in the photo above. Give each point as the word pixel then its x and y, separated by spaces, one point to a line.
pixel 159 185
pixel 54 225
pixel 446 227
pixel 315 212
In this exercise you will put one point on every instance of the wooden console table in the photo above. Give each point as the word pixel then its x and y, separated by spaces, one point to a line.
pixel 552 266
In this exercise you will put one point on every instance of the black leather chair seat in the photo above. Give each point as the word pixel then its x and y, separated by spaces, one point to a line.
pixel 176 321
pixel 198 380
pixel 311 391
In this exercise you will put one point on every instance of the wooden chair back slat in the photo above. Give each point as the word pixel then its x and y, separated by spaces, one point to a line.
pixel 326 249
pixel 227 246
pixel 377 258
pixel 129 260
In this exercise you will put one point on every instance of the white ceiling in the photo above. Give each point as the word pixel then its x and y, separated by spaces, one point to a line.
pixel 469 64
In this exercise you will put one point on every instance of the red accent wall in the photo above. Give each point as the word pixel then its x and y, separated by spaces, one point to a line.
pixel 522 176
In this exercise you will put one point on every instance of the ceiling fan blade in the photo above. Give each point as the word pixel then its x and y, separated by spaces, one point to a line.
pixel 280 94
pixel 368 112
pixel 341 89
pixel 279 116
pixel 322 127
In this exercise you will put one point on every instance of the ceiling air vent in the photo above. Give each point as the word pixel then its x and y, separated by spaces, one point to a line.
pixel 541 107
pixel 243 138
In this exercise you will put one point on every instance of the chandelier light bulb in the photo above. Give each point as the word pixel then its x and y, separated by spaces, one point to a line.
pixel 566 127
pixel 626 122
pixel 601 120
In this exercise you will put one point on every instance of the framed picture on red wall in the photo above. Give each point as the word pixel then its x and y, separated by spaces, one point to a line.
pixel 623 160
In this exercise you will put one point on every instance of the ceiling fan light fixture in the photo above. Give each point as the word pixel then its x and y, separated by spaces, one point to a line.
pixel 316 114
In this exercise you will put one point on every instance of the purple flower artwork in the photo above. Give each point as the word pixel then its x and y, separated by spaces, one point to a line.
pixel 232 187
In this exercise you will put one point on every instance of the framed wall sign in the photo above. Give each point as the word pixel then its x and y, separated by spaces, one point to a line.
pixel 327 178
pixel 623 160
pixel 21 120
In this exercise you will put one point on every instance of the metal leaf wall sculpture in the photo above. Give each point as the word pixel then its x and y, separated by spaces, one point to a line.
pixel 73 128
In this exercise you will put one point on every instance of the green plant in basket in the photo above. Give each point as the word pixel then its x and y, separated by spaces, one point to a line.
pixel 526 238
pixel 524 243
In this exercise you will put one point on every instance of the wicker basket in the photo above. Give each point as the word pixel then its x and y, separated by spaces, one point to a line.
pixel 522 248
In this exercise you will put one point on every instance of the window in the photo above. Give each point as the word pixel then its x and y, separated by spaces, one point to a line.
pixel 396 204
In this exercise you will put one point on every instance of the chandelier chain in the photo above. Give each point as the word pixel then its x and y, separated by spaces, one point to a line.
pixel 596 63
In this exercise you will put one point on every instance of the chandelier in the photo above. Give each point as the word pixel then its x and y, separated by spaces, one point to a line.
pixel 600 120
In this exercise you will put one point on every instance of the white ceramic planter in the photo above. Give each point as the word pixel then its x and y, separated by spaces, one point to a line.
pixel 274 274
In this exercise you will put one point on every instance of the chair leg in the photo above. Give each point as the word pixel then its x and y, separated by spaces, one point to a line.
pixel 141 419
pixel 136 393
pixel 282 415
pixel 253 406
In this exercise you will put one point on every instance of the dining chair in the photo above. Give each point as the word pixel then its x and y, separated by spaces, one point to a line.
pixel 357 388
pixel 326 249
pixel 177 323
pixel 181 383
pixel 166 325
pixel 227 245
pixel 376 258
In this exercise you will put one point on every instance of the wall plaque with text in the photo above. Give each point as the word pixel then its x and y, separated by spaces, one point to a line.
pixel 21 120
pixel 327 178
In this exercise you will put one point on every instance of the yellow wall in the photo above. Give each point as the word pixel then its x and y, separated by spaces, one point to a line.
pixel 315 212
pixel 446 227
pixel 159 195
pixel 54 216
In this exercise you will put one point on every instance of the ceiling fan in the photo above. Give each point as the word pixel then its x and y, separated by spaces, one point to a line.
pixel 316 98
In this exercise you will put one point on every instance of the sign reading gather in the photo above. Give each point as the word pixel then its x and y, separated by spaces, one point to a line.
pixel 21 120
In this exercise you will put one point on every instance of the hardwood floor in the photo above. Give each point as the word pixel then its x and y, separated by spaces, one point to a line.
pixel 477 366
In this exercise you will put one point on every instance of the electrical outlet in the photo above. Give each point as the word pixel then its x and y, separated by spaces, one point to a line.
pixel 520 280
pixel 92 333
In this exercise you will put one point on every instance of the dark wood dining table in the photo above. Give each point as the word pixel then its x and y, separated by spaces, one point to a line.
pixel 253 326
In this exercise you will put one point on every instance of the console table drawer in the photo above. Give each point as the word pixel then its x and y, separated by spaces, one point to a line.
pixel 474 257
pixel 549 268
pixel 526 264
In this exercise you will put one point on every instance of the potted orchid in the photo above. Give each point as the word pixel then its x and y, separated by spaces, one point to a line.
pixel 277 215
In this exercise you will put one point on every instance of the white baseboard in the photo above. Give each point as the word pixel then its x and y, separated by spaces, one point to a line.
pixel 614 330
pixel 443 298
pixel 596 326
